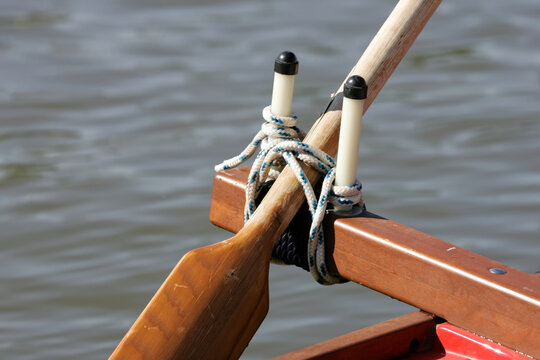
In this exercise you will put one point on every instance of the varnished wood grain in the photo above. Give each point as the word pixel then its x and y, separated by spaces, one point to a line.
pixel 441 278
pixel 421 270
pixel 208 302
pixel 387 340
pixel 216 297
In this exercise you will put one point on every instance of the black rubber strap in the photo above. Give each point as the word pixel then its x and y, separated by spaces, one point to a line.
pixel 291 248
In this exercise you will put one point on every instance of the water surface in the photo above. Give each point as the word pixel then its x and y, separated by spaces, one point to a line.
pixel 113 115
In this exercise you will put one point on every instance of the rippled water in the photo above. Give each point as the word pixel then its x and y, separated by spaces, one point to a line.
pixel 114 113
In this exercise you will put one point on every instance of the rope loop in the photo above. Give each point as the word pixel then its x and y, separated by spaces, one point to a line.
pixel 274 130
pixel 280 143
pixel 346 195
pixel 291 152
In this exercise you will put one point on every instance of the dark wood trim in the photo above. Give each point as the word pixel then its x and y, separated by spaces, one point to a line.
pixel 418 269
pixel 387 340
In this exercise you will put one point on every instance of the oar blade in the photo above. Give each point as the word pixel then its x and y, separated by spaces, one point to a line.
pixel 216 301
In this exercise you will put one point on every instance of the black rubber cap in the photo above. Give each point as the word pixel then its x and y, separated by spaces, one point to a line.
pixel 286 63
pixel 355 88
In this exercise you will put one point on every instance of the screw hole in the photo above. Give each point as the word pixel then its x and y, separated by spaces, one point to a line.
pixel 497 271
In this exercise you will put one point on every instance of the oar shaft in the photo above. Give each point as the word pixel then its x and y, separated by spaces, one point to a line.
pixel 376 65
pixel 378 62
pixel 214 300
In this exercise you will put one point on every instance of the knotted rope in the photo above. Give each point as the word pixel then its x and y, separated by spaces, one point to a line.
pixel 281 139
pixel 274 130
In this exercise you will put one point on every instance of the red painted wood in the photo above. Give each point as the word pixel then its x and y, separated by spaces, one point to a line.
pixel 414 336
pixel 454 343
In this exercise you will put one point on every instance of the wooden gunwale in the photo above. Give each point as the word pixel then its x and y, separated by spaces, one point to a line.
pixel 418 269
pixel 387 340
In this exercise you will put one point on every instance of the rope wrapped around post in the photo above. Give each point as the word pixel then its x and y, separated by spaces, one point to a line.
pixel 279 139
pixel 274 130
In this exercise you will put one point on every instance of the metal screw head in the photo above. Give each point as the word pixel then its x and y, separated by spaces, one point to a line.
pixel 497 271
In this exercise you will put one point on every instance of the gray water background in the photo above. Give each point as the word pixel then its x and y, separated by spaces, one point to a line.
pixel 113 113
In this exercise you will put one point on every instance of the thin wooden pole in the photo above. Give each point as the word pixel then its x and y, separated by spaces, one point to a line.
pixel 215 298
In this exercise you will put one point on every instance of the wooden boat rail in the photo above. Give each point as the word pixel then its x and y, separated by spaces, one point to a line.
pixel 387 340
pixel 415 336
pixel 423 271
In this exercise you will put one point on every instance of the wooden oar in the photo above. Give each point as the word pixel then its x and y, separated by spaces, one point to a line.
pixel 215 298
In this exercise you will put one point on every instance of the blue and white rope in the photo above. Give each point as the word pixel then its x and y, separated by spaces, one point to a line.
pixel 290 151
pixel 293 151
pixel 274 130
pixel 316 248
